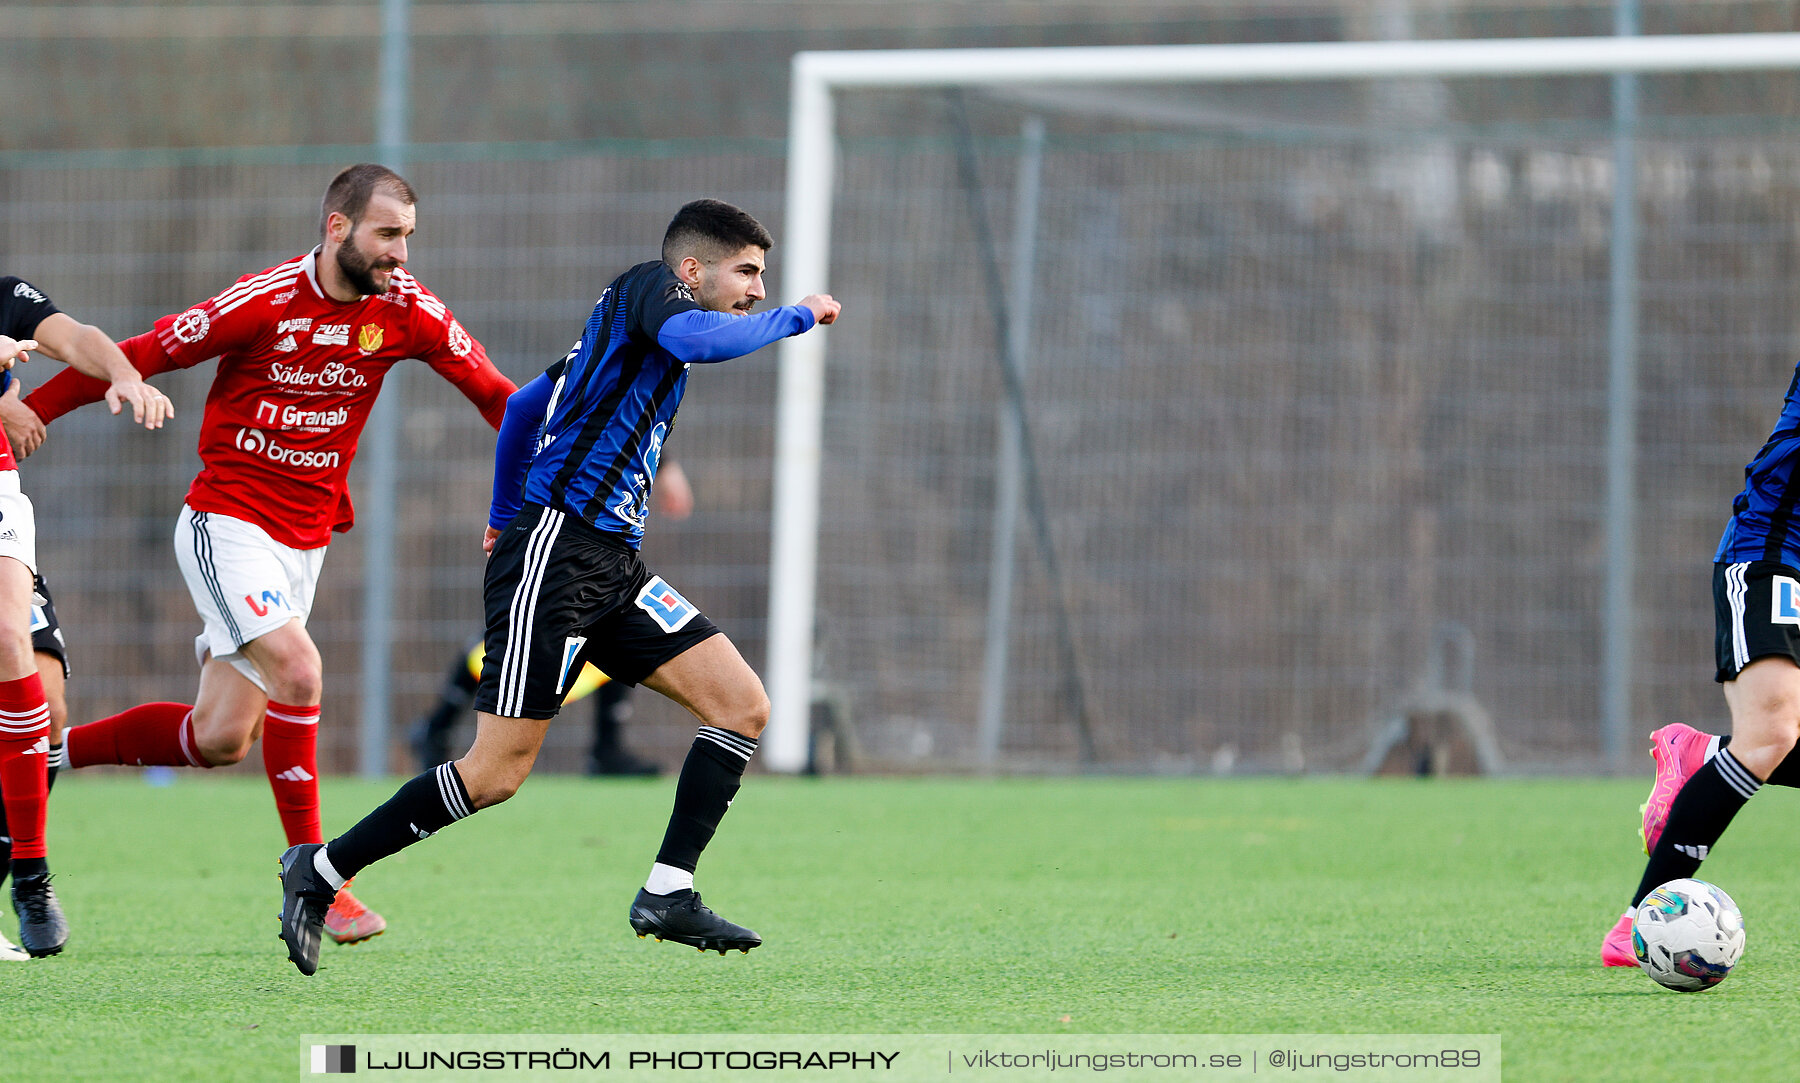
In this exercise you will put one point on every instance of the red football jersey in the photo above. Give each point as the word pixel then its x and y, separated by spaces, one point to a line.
pixel 298 374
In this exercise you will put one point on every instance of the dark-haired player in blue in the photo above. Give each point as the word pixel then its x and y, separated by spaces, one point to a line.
pixel 577 456
pixel 1702 780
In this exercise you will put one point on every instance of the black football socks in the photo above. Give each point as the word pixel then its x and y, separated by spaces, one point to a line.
pixel 710 777
pixel 1698 816
pixel 426 804
pixel 1786 773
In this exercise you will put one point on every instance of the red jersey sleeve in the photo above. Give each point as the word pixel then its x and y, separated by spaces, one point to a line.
pixel 178 341
pixel 455 355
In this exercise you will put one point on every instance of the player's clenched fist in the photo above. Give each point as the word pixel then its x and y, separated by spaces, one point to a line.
pixel 824 307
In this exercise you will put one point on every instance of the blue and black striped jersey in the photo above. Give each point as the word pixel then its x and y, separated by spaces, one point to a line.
pixel 1762 516
pixel 601 415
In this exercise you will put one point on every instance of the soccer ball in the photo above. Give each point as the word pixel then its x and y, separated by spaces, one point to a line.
pixel 1688 935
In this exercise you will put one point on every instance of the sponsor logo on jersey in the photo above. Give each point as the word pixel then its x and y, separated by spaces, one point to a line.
pixel 25 290
pixel 335 376
pixel 257 442
pixel 368 337
pixel 284 296
pixel 331 334
pixel 460 342
pixel 302 323
pixel 287 345
pixel 271 599
pixel 1784 594
pixel 294 417
pixel 571 650
pixel 682 291
pixel 191 326
pixel 665 605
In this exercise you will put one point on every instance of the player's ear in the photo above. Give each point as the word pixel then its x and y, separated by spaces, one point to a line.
pixel 337 227
pixel 689 270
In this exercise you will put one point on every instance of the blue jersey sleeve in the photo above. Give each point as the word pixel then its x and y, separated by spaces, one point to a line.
pixel 698 336
pixel 517 446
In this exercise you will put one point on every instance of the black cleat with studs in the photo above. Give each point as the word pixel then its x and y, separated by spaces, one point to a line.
pixel 305 896
pixel 682 918
pixel 42 928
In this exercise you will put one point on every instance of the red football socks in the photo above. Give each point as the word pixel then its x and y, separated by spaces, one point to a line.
pixel 24 762
pixel 290 749
pixel 150 734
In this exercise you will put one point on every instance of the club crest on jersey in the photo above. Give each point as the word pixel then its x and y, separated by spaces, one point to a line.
pixel 1784 597
pixel 368 337
pixel 191 326
pixel 460 342
pixel 665 605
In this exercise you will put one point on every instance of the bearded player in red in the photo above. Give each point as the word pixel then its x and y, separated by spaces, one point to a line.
pixel 302 350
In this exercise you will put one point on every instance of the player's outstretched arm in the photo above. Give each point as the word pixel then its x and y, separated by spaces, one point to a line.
pixel 697 335
pixel 92 353
pixel 71 388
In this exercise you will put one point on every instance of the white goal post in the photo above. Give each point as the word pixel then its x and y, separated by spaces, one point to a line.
pixel 811 161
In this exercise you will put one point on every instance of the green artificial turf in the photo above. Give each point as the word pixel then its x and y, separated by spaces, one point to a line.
pixel 909 906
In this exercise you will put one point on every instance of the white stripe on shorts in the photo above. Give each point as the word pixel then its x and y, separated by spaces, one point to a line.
pixel 515 664
pixel 1735 588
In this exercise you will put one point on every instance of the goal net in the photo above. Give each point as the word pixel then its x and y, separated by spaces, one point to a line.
pixel 1179 419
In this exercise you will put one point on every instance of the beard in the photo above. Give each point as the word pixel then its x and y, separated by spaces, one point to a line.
pixel 359 269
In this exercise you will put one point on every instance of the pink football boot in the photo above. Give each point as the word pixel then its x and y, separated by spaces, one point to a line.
pixel 1616 949
pixel 1679 751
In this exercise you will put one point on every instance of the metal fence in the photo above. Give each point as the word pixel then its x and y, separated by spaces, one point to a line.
pixel 1311 374
pixel 518 240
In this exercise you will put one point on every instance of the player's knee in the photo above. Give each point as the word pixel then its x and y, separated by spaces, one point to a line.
pixel 16 654
pixel 222 750
pixel 297 679
pixel 491 787
pixel 752 715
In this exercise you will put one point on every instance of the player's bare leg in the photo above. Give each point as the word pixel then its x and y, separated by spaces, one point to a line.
pixel 24 761
pixel 504 751
pixel 712 680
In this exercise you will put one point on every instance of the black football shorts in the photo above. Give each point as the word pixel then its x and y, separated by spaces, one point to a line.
pixel 559 593
pixel 46 632
pixel 1756 610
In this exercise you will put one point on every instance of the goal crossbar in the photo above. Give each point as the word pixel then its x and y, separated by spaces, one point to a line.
pixel 811 164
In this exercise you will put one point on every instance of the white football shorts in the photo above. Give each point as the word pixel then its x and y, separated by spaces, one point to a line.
pixel 244 583
pixel 18 523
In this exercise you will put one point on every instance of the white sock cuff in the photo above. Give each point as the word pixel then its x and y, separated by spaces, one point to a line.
pixel 667 879
pixel 322 864
pixel 1736 775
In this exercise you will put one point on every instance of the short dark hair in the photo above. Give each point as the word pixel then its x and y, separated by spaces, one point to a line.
pixel 709 230
pixel 349 192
